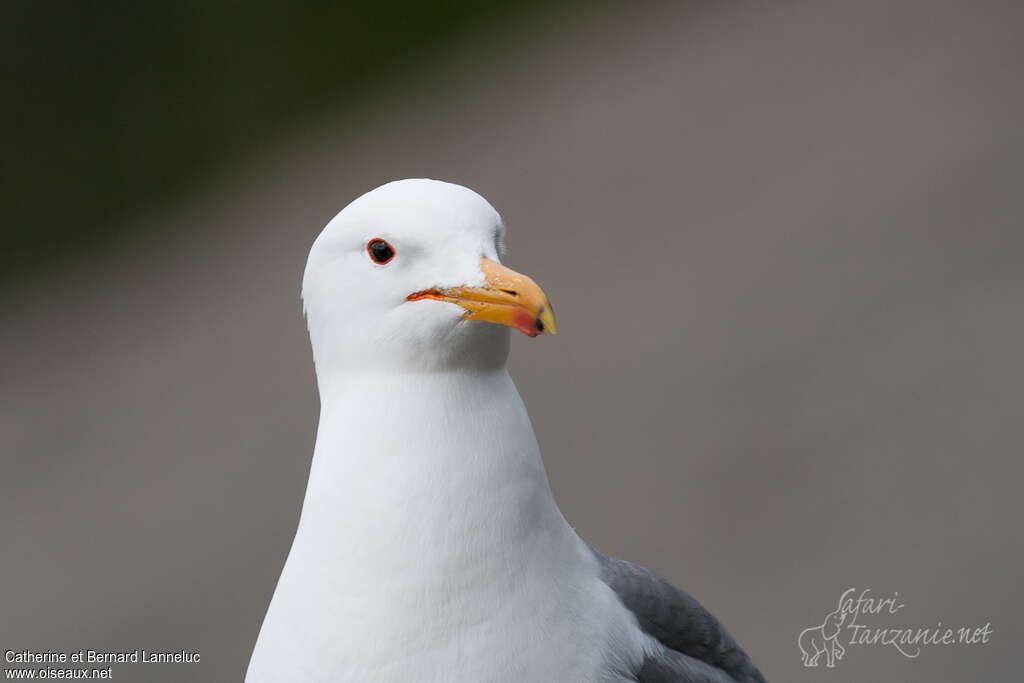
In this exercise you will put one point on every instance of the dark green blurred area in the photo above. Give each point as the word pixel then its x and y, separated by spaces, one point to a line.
pixel 112 105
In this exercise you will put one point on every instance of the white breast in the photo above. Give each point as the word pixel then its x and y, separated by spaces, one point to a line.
pixel 430 549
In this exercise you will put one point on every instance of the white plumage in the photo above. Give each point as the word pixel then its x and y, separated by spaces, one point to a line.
pixel 430 547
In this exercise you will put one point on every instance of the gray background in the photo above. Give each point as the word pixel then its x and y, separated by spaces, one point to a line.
pixel 784 241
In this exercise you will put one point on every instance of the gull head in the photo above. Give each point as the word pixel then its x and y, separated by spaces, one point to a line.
pixel 409 277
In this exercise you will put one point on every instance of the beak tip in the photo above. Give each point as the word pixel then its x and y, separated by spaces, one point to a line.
pixel 546 320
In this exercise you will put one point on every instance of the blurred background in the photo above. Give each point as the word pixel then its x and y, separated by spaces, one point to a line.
pixel 784 241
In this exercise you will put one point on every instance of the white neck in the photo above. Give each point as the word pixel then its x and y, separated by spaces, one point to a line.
pixel 426 490
pixel 444 462
pixel 430 547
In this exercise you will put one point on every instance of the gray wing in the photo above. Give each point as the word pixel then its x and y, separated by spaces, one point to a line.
pixel 698 648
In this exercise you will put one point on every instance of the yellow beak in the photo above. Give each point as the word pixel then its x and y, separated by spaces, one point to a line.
pixel 508 298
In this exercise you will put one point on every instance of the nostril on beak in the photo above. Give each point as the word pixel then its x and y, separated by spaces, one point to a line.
pixel 511 292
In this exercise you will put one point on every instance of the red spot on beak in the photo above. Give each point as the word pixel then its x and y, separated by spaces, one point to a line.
pixel 526 323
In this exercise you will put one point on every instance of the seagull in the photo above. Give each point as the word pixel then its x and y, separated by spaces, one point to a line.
pixel 429 546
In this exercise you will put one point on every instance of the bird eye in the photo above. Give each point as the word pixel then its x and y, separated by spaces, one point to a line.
pixel 380 251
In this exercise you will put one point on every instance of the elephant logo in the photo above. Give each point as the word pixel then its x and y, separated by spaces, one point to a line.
pixel 823 640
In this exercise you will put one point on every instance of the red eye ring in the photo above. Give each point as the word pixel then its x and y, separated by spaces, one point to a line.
pixel 380 251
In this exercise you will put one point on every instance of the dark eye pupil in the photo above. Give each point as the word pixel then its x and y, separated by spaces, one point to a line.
pixel 381 251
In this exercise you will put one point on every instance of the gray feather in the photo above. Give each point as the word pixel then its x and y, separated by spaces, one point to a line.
pixel 699 649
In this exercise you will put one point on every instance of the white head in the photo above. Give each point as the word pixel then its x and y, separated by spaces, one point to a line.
pixel 408 277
